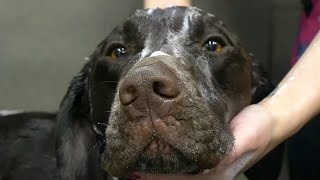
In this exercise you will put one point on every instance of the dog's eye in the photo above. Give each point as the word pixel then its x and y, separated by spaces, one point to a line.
pixel 116 52
pixel 214 45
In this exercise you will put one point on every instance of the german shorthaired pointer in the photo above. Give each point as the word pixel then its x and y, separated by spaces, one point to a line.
pixel 157 96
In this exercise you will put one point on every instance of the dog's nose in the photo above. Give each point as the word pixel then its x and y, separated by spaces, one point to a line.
pixel 153 82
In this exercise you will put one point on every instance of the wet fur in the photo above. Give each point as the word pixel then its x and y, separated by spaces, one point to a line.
pixel 92 94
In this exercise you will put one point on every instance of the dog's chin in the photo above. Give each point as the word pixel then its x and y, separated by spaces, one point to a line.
pixel 161 158
pixel 161 164
pixel 165 164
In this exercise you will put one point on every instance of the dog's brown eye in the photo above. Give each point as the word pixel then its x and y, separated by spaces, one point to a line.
pixel 213 45
pixel 116 52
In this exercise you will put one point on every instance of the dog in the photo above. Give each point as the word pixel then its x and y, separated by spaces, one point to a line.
pixel 157 95
pixel 27 148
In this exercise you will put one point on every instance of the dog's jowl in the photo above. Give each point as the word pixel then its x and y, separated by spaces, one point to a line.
pixel 157 96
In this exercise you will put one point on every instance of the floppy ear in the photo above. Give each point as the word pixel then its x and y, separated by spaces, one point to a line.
pixel 261 83
pixel 76 157
pixel 102 83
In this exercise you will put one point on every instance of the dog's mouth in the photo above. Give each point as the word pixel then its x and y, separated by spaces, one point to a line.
pixel 154 156
pixel 158 151
pixel 160 157
pixel 158 147
pixel 138 175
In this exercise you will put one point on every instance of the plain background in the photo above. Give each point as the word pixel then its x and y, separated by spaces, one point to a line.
pixel 43 43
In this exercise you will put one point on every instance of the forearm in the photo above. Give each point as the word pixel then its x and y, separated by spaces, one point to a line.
pixel 165 3
pixel 297 98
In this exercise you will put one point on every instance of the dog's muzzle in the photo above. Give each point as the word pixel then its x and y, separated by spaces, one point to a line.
pixel 160 123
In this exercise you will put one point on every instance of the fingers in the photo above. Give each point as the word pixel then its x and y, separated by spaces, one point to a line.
pixel 252 131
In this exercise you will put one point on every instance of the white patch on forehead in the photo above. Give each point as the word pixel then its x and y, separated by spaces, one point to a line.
pixel 158 53
pixel 140 12
pixel 146 50
pixel 174 11
pixel 150 11
pixel 185 25
pixel 192 13
pixel 175 37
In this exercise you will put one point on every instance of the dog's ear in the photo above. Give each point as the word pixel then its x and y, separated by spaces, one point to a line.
pixel 261 83
pixel 75 135
pixel 102 83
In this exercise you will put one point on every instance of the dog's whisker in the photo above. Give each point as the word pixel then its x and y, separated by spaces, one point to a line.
pixel 103 124
pixel 94 146
pixel 101 144
pixel 98 144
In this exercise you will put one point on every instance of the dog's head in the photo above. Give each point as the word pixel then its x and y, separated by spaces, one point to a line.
pixel 167 82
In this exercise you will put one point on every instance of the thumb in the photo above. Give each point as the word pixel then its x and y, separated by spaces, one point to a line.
pixel 252 131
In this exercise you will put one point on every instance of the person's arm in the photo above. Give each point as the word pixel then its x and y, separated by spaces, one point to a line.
pixel 165 3
pixel 297 98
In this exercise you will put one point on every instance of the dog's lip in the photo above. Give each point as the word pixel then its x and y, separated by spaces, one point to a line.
pixel 138 175
pixel 157 146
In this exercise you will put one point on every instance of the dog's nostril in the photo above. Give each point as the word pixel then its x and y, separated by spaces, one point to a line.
pixel 166 89
pixel 129 95
pixel 149 84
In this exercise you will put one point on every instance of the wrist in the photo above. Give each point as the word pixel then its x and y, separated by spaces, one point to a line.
pixel 280 128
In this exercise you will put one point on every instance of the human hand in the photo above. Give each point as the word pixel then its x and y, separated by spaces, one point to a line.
pixel 253 130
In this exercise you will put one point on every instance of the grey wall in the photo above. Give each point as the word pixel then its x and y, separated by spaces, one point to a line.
pixel 43 42
pixel 285 18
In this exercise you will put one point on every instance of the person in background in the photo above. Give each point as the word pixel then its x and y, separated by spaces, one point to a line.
pixel 261 127
pixel 304 147
pixel 165 3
